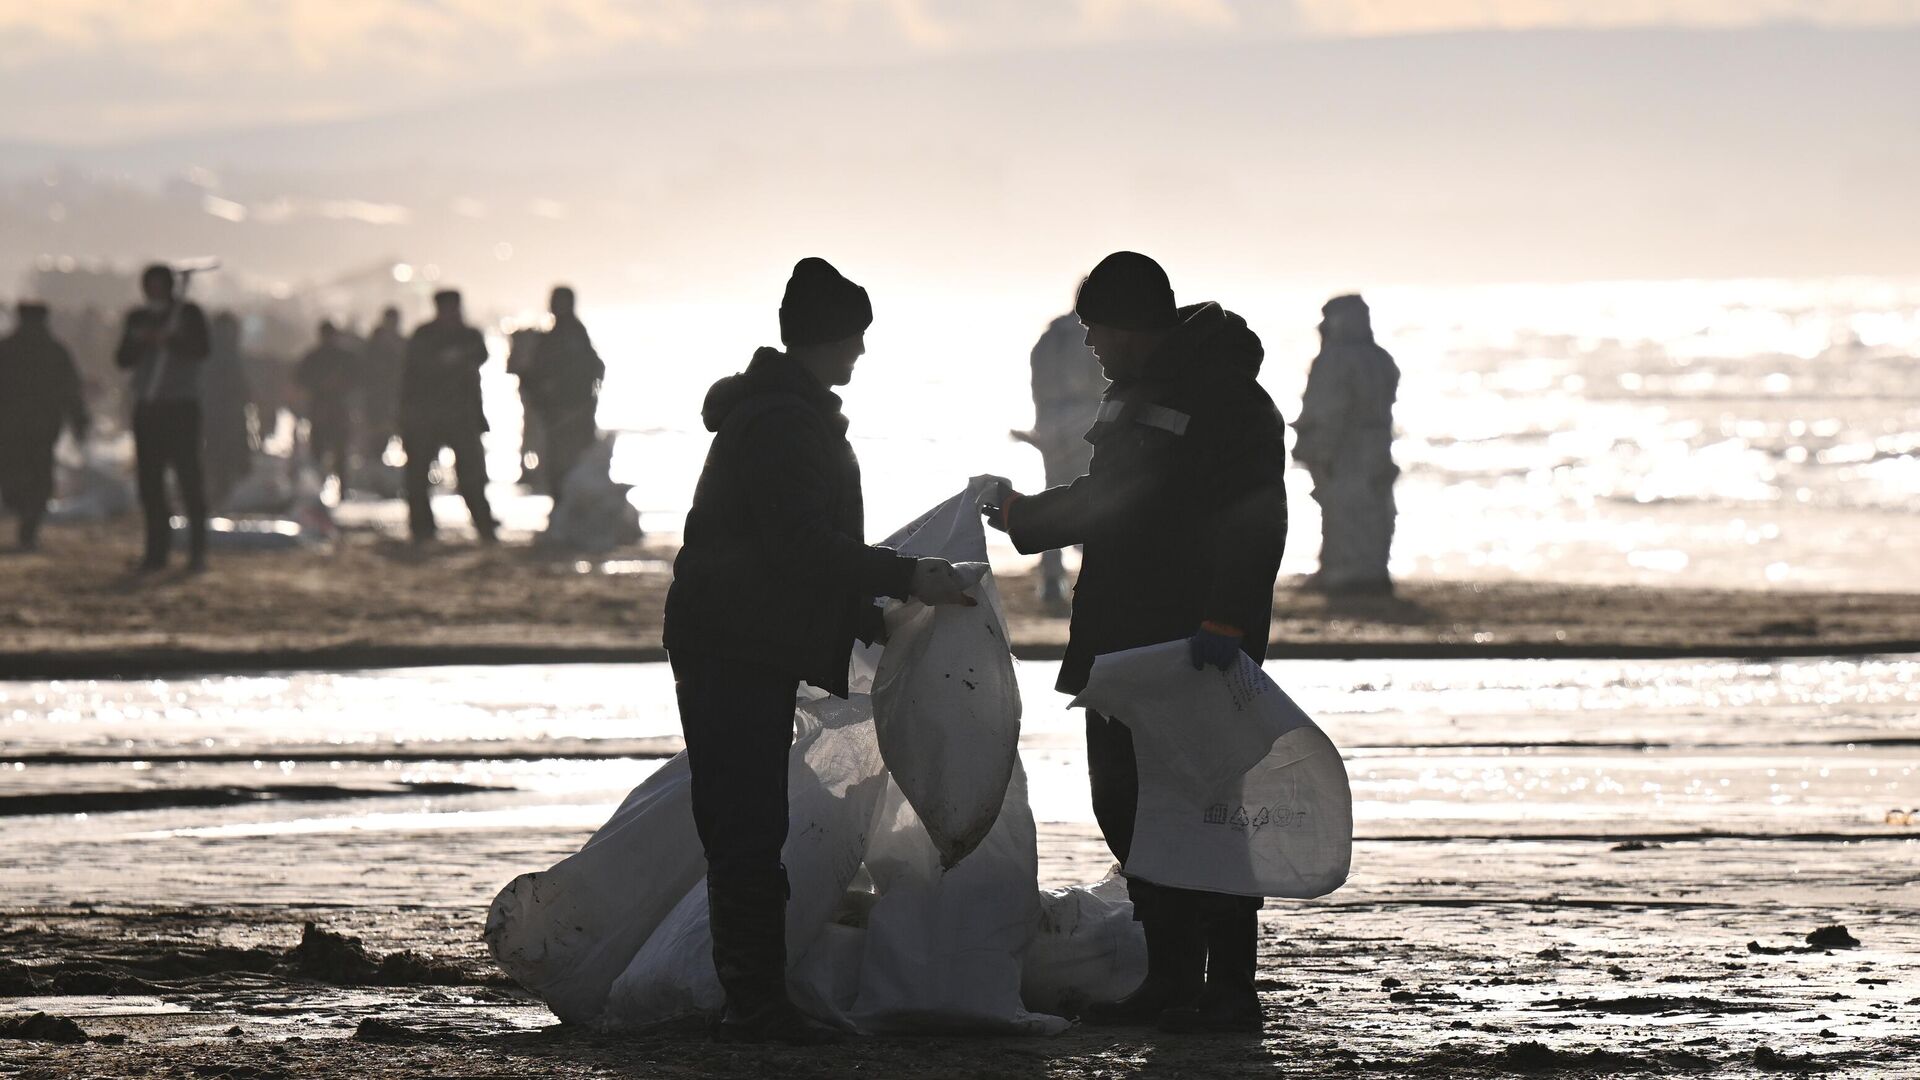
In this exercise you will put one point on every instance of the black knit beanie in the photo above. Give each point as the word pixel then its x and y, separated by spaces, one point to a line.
pixel 1127 291
pixel 821 306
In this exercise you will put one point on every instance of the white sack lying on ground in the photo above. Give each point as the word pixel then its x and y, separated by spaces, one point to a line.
pixel 938 951
pixel 567 933
pixel 94 490
pixel 593 514
pixel 1284 827
pixel 944 948
pixel 946 706
pixel 618 933
pixel 1086 947
pixel 834 784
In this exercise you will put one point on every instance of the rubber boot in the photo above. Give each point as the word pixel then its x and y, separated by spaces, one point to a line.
pixel 1176 963
pixel 1229 1003
pixel 749 926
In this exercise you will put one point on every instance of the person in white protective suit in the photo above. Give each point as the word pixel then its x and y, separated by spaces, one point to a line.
pixel 1346 443
pixel 773 584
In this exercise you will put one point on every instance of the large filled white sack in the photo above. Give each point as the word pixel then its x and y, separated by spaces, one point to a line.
pixel 568 932
pixel 834 782
pixel 1240 792
pixel 946 704
pixel 1086 947
pixel 878 931
pixel 944 948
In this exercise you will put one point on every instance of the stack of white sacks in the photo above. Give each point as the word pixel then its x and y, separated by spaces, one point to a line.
pixel 911 848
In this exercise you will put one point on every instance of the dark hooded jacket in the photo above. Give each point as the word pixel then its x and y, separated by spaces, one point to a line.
pixel 773 566
pixel 566 371
pixel 1183 511
pixel 440 380
pixel 39 390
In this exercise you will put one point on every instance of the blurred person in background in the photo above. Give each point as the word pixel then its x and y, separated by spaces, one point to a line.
pixel 378 415
pixel 1067 384
pixel 39 394
pixel 326 377
pixel 523 351
pixel 562 386
pixel 440 408
pixel 163 345
pixel 225 400
pixel 1346 443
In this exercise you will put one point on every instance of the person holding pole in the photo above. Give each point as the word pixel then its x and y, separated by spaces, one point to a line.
pixel 163 343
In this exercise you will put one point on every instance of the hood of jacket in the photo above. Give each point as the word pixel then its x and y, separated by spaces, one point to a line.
pixel 1207 335
pixel 770 372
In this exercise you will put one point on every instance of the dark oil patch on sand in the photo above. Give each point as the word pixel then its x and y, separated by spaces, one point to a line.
pixel 322 955
pixel 108 802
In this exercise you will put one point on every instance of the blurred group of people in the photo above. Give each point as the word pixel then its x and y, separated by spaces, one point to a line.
pixel 198 420
pixel 198 414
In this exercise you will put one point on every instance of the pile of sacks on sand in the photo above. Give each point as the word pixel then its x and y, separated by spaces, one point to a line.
pixel 93 489
pixel 592 514
pixel 911 852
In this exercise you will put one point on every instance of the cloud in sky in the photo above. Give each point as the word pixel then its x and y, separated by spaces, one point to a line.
pixel 1363 17
pixel 107 69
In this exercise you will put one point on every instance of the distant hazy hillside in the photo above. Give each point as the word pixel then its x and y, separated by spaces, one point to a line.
pixel 1481 156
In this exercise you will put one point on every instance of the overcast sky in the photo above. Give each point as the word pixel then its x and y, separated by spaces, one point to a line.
pixel 686 142
pixel 107 70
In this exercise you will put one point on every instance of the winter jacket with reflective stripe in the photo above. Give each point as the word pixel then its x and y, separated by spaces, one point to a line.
pixel 1183 511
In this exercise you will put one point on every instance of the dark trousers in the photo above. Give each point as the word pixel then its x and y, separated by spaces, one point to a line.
pixel 166 435
pixel 568 433
pixel 738 722
pixel 26 480
pixel 329 438
pixel 423 446
pixel 1115 780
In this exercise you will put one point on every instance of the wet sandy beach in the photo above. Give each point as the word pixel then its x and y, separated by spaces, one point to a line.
pixel 1566 868
pixel 370 600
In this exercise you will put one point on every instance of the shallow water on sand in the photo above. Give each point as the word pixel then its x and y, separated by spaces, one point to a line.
pixel 1826 751
pixel 1556 860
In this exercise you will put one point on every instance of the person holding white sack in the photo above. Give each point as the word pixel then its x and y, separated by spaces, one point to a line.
pixel 1182 516
pixel 773 583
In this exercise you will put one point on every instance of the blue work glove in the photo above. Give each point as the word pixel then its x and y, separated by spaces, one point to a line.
pixel 996 515
pixel 995 498
pixel 1214 643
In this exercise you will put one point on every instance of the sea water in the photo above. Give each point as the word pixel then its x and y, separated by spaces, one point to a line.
pixel 1793 751
pixel 1718 433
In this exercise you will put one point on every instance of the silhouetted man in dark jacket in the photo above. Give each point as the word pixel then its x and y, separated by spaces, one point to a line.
pixel 381 365
pixel 440 407
pixel 1183 516
pixel 773 584
pixel 326 376
pixel 163 345
pixel 563 386
pixel 39 393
